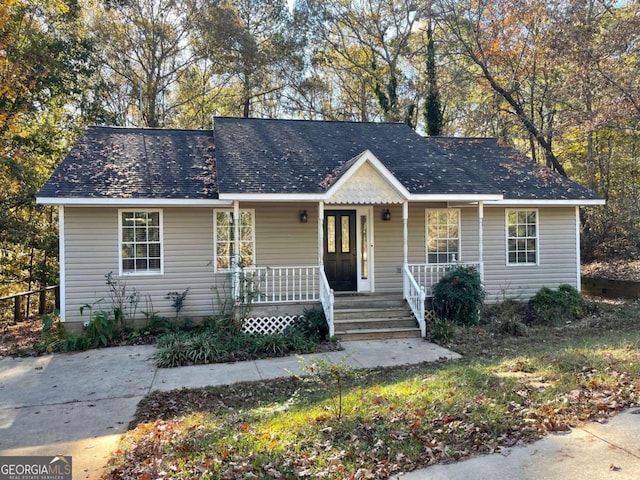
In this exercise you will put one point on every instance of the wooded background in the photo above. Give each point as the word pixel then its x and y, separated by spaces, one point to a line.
pixel 559 80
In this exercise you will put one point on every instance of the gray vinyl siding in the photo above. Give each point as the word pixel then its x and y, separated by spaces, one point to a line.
pixel 91 252
pixel 91 248
pixel 281 239
pixel 388 249
pixel 557 255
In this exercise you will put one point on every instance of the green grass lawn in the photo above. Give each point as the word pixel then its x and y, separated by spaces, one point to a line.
pixel 505 391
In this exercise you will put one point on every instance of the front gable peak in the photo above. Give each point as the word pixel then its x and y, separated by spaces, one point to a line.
pixel 364 180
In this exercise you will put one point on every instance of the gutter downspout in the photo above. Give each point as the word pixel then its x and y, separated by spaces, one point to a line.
pixel 321 234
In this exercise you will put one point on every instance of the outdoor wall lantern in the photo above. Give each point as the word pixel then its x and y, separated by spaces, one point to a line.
pixel 304 217
pixel 386 215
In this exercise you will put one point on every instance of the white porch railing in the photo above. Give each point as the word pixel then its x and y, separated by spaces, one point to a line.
pixel 327 299
pixel 415 296
pixel 278 284
pixel 428 274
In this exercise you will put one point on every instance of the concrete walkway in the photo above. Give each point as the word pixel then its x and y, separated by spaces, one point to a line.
pixel 80 404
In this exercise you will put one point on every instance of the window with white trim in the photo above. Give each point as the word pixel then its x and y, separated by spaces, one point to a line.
pixel 140 241
pixel 225 239
pixel 443 235
pixel 522 237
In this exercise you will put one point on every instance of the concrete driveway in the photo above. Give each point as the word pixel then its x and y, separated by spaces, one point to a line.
pixel 80 404
pixel 72 404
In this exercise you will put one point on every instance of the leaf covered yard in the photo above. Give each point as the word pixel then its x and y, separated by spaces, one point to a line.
pixel 506 391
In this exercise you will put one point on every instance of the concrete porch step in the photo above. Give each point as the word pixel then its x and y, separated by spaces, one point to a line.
pixel 373 317
pixel 357 323
pixel 378 334
pixel 374 300
pixel 371 313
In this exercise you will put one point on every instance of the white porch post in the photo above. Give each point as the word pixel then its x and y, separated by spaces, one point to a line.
pixel 236 229
pixel 405 232
pixel 481 238
pixel 236 250
pixel 321 234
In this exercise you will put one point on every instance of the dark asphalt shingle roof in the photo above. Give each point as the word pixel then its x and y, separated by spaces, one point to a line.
pixel 110 162
pixel 292 156
pixel 275 156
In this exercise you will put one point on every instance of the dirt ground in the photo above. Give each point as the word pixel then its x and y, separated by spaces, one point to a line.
pixel 20 339
pixel 615 270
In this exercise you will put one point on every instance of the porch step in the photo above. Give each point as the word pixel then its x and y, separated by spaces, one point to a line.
pixel 378 334
pixel 373 317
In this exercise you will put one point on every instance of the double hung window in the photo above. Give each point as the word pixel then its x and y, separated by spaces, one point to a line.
pixel 443 235
pixel 225 239
pixel 140 241
pixel 522 237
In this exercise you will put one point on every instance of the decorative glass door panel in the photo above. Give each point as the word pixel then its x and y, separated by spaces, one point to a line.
pixel 340 256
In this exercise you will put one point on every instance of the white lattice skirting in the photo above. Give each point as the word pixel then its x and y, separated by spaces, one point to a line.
pixel 267 325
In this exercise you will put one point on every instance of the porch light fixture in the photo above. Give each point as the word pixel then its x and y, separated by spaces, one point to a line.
pixel 386 215
pixel 304 217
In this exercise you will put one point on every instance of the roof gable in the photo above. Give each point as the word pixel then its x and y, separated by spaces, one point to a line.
pixel 261 156
pixel 366 181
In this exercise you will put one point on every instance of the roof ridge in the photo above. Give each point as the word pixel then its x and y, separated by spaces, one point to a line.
pixel 148 129
pixel 308 121
pixel 453 137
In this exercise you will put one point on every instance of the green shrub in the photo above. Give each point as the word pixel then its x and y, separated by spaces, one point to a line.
pixel 511 326
pixel 442 330
pixel 53 334
pixel 207 345
pixel 555 307
pixel 75 343
pixel 507 317
pixel 102 328
pixel 458 296
pixel 312 324
pixel 227 324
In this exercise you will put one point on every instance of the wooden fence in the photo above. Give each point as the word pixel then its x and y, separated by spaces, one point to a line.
pixel 22 306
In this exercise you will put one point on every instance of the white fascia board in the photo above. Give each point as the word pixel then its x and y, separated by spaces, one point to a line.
pixel 548 203
pixel 272 197
pixel 368 156
pixel 155 202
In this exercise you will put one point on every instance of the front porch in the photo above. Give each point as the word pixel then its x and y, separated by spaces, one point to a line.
pixel 349 315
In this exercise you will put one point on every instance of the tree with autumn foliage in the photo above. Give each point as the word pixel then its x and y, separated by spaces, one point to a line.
pixel 45 66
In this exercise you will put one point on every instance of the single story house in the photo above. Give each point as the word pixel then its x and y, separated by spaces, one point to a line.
pixel 287 213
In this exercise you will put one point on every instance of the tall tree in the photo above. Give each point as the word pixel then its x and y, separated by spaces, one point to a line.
pixel 372 38
pixel 507 41
pixel 433 116
pixel 144 49
pixel 45 65
pixel 253 49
